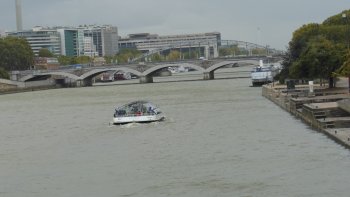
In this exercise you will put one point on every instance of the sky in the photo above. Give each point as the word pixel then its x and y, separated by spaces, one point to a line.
pixel 265 22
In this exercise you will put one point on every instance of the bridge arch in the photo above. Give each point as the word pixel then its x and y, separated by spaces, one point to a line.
pixel 225 63
pixel 209 72
pixel 96 72
pixel 159 67
pixel 64 74
pixel 86 78
pixel 147 75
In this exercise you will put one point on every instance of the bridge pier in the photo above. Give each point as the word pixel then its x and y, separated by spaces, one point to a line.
pixel 208 75
pixel 84 83
pixel 146 79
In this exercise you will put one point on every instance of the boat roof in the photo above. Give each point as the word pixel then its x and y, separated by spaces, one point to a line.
pixel 139 102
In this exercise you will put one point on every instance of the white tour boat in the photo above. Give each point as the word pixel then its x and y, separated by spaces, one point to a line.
pixel 137 111
pixel 263 74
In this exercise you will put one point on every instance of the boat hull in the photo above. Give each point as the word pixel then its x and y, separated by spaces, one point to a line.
pixel 137 119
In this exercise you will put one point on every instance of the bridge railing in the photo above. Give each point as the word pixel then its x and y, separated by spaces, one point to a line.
pixel 200 43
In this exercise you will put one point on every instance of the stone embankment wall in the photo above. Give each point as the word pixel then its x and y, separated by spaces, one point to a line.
pixel 8 86
pixel 329 119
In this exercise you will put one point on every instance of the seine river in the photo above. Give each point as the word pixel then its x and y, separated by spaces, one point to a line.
pixel 220 138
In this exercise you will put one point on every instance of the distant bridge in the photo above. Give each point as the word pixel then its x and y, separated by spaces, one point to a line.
pixel 145 72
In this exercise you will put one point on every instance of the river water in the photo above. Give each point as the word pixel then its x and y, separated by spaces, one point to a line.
pixel 220 138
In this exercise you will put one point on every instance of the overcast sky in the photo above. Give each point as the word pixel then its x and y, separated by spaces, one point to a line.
pixel 266 22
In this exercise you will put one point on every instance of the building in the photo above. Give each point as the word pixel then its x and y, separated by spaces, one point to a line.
pixel 206 43
pixel 39 38
pixel 103 40
pixel 48 63
pixel 73 41
pixel 69 42
pixel 110 41
pixel 89 48
pixel 89 41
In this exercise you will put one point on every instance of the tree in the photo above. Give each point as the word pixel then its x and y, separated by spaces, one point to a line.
pixel 157 57
pixel 43 52
pixel 4 74
pixel 15 54
pixel 109 59
pixel 125 55
pixel 64 60
pixel 344 70
pixel 320 59
pixel 174 55
pixel 82 60
pixel 316 50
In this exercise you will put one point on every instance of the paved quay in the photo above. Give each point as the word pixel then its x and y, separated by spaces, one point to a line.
pixel 326 110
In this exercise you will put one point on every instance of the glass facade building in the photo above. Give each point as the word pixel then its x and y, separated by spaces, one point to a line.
pixel 73 41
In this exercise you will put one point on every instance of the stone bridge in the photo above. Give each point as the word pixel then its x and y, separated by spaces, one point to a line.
pixel 146 71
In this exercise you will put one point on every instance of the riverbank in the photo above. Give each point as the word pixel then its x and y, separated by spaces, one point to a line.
pixel 325 110
pixel 28 89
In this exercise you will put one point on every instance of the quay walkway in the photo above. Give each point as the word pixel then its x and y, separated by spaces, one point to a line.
pixel 325 110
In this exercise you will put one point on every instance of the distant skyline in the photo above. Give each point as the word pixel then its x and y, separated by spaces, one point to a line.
pixel 267 22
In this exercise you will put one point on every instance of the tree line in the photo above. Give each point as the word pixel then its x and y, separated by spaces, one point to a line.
pixel 319 51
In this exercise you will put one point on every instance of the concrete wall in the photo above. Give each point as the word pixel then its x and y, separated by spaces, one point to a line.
pixel 310 116
pixel 14 86
pixel 6 87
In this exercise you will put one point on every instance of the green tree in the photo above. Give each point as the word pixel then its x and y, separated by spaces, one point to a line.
pixel 316 50
pixel 64 60
pixel 190 55
pixel 320 59
pixel 15 54
pixel 125 55
pixel 4 74
pixel 231 51
pixel 44 52
pixel 81 60
pixel 157 57
pixel 109 59
pixel 344 70
pixel 174 55
pixel 224 52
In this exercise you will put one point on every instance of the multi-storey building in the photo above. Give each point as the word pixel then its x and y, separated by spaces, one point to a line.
pixel 73 41
pixel 206 43
pixel 110 40
pixel 69 42
pixel 39 38
pixel 89 47
pixel 104 40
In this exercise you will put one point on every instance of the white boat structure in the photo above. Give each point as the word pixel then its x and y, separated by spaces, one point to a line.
pixel 137 111
pixel 264 74
pixel 177 69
